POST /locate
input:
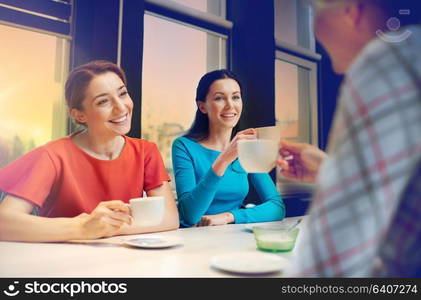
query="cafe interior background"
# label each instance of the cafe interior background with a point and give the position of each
(165, 46)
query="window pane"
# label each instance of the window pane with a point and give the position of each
(295, 114)
(293, 101)
(216, 7)
(293, 23)
(174, 58)
(32, 75)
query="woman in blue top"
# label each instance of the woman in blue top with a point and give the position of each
(211, 184)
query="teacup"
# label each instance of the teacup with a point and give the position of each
(147, 211)
(257, 156)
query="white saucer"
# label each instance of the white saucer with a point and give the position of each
(249, 262)
(154, 242)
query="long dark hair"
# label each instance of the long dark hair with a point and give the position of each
(200, 127)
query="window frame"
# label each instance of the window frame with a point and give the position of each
(310, 60)
(53, 18)
(306, 58)
(129, 54)
(311, 89)
(188, 15)
(61, 121)
(178, 13)
(47, 15)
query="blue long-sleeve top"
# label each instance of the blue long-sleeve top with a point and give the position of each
(201, 191)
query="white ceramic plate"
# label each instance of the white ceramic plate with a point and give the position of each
(249, 262)
(153, 242)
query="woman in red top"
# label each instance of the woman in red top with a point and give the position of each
(81, 183)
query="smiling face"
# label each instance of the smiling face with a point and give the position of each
(107, 107)
(223, 104)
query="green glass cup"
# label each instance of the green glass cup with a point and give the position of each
(275, 238)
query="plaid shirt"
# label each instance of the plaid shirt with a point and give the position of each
(365, 219)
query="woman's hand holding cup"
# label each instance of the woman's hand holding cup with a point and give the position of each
(105, 220)
(231, 152)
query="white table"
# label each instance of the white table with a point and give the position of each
(109, 258)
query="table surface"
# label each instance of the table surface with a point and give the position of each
(111, 258)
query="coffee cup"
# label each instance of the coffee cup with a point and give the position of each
(147, 211)
(257, 156)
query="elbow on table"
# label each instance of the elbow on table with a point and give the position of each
(279, 210)
(7, 226)
(5, 219)
(189, 216)
(283, 213)
(283, 209)
(190, 219)
(2, 226)
(277, 215)
(173, 223)
(171, 220)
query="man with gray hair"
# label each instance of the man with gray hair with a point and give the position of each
(365, 219)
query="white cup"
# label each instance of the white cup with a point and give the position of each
(257, 156)
(147, 211)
